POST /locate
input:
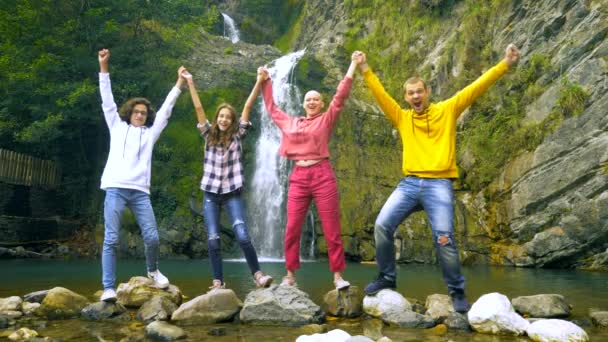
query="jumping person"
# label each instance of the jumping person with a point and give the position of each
(305, 140)
(428, 135)
(126, 178)
(223, 179)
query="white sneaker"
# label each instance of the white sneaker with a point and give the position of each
(108, 295)
(159, 279)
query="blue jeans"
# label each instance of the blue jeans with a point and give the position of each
(435, 196)
(117, 199)
(212, 203)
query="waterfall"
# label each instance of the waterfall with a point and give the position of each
(269, 181)
(230, 30)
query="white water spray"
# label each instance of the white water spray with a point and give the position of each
(269, 183)
(230, 30)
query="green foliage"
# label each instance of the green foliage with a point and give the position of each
(572, 99)
(49, 102)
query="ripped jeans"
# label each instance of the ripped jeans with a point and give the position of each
(232, 201)
(435, 196)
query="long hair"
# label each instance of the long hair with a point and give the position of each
(126, 110)
(216, 136)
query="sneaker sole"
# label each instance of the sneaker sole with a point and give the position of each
(370, 293)
(109, 300)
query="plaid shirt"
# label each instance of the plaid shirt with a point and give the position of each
(222, 168)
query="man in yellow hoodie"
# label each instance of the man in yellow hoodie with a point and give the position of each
(428, 136)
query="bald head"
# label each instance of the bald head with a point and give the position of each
(313, 103)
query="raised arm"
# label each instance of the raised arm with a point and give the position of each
(280, 118)
(391, 109)
(260, 78)
(464, 98)
(337, 102)
(164, 113)
(196, 101)
(110, 110)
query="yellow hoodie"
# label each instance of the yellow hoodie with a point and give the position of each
(429, 139)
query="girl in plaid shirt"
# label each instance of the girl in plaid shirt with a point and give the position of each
(223, 179)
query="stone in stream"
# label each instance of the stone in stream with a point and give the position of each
(493, 314)
(105, 311)
(556, 330)
(61, 303)
(156, 309)
(215, 306)
(141, 289)
(35, 297)
(599, 318)
(280, 305)
(12, 303)
(163, 331)
(344, 303)
(23, 334)
(335, 335)
(392, 308)
(542, 306)
(439, 306)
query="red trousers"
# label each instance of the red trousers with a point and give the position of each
(316, 182)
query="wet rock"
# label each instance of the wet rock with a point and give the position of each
(439, 306)
(10, 304)
(335, 335)
(4, 322)
(439, 330)
(556, 330)
(35, 297)
(384, 339)
(61, 303)
(417, 306)
(280, 305)
(493, 314)
(22, 334)
(29, 308)
(141, 289)
(156, 309)
(372, 328)
(344, 303)
(163, 331)
(599, 318)
(542, 305)
(457, 321)
(385, 302)
(212, 307)
(105, 311)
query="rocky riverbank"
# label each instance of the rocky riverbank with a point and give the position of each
(143, 311)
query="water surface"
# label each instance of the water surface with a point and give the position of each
(583, 290)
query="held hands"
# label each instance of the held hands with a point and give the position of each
(511, 54)
(358, 57)
(104, 57)
(180, 78)
(262, 74)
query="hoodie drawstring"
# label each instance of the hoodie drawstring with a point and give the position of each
(428, 126)
(124, 145)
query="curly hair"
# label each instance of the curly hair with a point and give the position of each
(126, 110)
(216, 136)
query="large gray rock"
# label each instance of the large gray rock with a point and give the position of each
(156, 309)
(493, 314)
(213, 307)
(163, 331)
(335, 335)
(457, 321)
(556, 330)
(344, 303)
(141, 289)
(61, 303)
(280, 305)
(542, 305)
(105, 311)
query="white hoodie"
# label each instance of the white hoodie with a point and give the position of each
(130, 159)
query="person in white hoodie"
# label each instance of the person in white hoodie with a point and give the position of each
(126, 178)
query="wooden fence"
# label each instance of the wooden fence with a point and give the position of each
(21, 169)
